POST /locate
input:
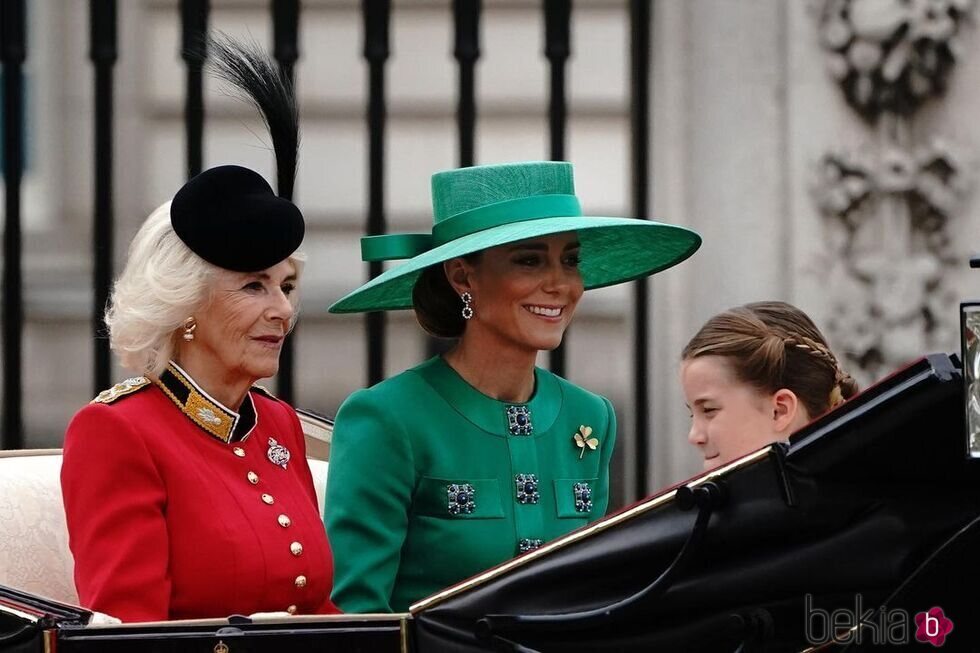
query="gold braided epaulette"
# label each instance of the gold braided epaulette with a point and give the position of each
(120, 390)
(265, 392)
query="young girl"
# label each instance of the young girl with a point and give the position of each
(753, 375)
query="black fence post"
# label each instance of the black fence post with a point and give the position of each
(557, 48)
(103, 53)
(640, 18)
(285, 36)
(466, 17)
(194, 27)
(13, 52)
(466, 51)
(377, 15)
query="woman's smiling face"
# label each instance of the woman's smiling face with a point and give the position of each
(241, 331)
(525, 293)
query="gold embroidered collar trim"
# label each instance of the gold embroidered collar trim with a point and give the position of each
(203, 409)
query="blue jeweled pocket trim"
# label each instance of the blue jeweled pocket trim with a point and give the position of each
(461, 499)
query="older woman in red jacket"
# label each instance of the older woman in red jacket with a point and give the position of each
(186, 489)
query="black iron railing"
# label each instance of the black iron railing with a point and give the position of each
(466, 18)
(557, 49)
(466, 51)
(285, 49)
(640, 26)
(377, 17)
(13, 52)
(193, 50)
(103, 53)
(286, 19)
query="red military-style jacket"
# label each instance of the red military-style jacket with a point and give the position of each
(179, 508)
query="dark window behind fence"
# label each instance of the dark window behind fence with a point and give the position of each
(556, 29)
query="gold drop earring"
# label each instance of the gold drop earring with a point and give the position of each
(189, 325)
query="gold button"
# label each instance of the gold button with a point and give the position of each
(239, 452)
(267, 499)
(253, 478)
(296, 548)
(291, 609)
(301, 581)
(284, 521)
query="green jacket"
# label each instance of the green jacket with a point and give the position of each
(423, 489)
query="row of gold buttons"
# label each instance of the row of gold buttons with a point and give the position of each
(296, 548)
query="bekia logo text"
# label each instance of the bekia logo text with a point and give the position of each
(871, 626)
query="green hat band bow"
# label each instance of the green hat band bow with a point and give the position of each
(400, 246)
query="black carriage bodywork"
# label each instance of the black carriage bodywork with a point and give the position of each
(873, 508)
(31, 625)
(876, 499)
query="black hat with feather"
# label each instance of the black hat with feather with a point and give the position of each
(229, 215)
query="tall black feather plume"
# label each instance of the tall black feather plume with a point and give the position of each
(257, 79)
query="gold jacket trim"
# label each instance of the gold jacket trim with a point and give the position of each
(120, 390)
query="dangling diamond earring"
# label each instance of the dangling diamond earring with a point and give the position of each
(189, 325)
(467, 305)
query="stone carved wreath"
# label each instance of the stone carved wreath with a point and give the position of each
(889, 207)
(891, 55)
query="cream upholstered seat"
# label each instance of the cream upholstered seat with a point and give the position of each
(318, 430)
(34, 554)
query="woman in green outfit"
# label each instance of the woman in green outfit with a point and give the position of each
(471, 458)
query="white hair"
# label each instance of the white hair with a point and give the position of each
(163, 284)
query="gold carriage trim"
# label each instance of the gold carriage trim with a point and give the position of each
(120, 390)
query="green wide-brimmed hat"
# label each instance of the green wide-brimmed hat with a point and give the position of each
(485, 206)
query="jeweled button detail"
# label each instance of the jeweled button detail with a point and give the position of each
(253, 478)
(296, 549)
(461, 498)
(519, 420)
(267, 499)
(583, 497)
(301, 581)
(284, 521)
(527, 488)
(238, 451)
(291, 609)
(526, 544)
